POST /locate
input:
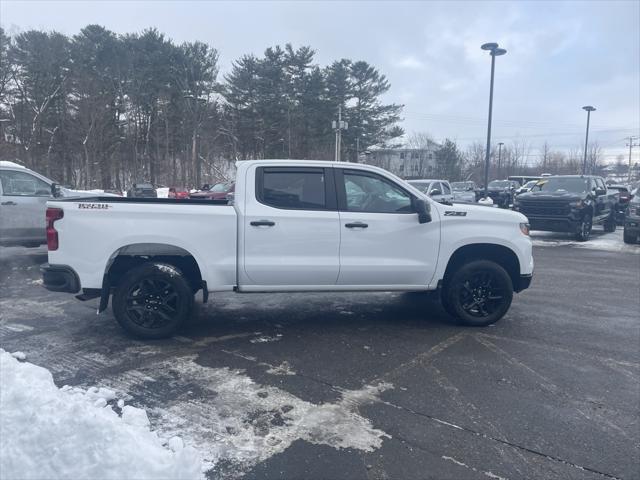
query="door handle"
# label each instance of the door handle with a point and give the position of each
(9, 203)
(356, 225)
(262, 223)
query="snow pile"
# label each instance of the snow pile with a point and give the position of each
(486, 201)
(46, 432)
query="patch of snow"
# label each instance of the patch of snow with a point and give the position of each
(135, 416)
(19, 355)
(266, 338)
(486, 201)
(283, 369)
(168, 269)
(67, 433)
(17, 327)
(243, 423)
(609, 242)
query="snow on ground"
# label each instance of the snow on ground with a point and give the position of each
(611, 242)
(47, 432)
(243, 423)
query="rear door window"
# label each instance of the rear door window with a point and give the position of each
(293, 188)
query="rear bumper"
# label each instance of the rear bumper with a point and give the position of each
(60, 278)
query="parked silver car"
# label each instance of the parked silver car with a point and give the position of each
(23, 204)
(439, 190)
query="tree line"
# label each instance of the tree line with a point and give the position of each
(511, 158)
(102, 110)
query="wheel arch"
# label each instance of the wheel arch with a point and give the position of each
(503, 256)
(132, 255)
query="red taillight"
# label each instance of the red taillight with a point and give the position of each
(53, 214)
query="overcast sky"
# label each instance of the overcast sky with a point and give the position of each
(561, 55)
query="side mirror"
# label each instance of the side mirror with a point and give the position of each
(423, 209)
(435, 191)
(56, 191)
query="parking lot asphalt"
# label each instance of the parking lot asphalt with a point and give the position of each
(371, 386)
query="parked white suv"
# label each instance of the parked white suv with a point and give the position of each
(23, 202)
(294, 226)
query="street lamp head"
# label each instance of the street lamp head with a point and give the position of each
(498, 51)
(589, 108)
(489, 46)
(501, 143)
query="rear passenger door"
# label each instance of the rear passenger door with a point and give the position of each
(291, 227)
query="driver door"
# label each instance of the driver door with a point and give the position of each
(382, 244)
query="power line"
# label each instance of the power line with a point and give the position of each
(507, 122)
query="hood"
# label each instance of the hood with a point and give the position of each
(481, 212)
(559, 195)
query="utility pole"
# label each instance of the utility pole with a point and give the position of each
(631, 145)
(338, 127)
(500, 159)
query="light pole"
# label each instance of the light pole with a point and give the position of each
(589, 109)
(500, 159)
(494, 51)
(338, 126)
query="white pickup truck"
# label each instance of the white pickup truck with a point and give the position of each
(292, 226)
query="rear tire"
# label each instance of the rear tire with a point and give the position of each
(478, 293)
(629, 238)
(153, 301)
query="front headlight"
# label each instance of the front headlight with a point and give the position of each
(577, 204)
(524, 228)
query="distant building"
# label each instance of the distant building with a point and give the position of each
(406, 163)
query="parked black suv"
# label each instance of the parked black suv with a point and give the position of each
(569, 203)
(502, 192)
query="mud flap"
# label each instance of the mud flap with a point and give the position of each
(104, 294)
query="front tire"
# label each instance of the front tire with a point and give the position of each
(628, 237)
(478, 293)
(584, 229)
(153, 301)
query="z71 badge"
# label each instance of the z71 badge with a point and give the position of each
(451, 213)
(94, 206)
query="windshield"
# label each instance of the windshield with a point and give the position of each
(500, 184)
(530, 184)
(564, 184)
(219, 188)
